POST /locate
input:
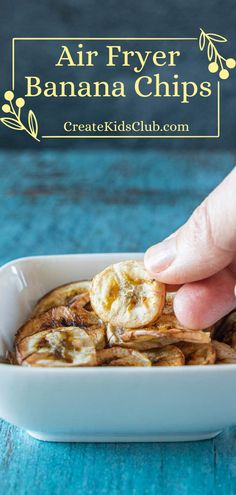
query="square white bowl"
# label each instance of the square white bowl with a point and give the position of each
(102, 404)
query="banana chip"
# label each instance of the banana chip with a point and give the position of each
(140, 338)
(226, 330)
(11, 357)
(65, 295)
(125, 295)
(64, 316)
(166, 330)
(198, 354)
(169, 303)
(98, 335)
(121, 318)
(224, 352)
(54, 317)
(226, 361)
(118, 356)
(165, 322)
(63, 346)
(81, 301)
(143, 339)
(169, 355)
(92, 324)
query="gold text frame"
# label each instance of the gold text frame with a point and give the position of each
(216, 136)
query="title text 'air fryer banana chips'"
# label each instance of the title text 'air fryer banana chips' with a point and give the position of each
(122, 317)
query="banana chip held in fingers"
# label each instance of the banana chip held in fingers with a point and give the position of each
(124, 294)
(63, 346)
(118, 356)
(65, 295)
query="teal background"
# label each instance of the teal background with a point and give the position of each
(67, 202)
(201, 468)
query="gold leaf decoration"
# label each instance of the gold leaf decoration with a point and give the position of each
(217, 37)
(202, 41)
(15, 122)
(33, 123)
(12, 123)
(217, 62)
(210, 51)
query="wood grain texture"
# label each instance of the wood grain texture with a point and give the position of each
(61, 202)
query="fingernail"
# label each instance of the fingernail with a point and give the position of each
(160, 257)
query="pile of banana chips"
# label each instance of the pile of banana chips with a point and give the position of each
(120, 318)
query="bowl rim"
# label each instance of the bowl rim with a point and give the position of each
(68, 255)
(210, 368)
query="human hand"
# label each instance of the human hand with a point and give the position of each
(201, 258)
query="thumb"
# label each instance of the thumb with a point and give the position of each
(204, 245)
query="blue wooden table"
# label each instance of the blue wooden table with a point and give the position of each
(64, 202)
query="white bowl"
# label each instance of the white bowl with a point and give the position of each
(102, 404)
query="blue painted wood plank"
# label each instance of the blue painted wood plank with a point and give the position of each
(60, 202)
(30, 467)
